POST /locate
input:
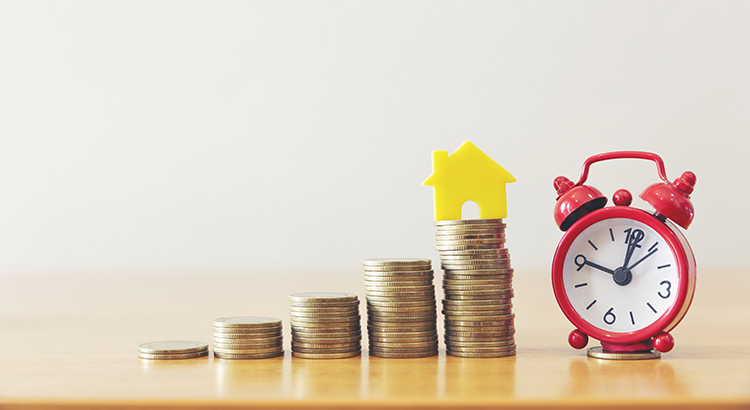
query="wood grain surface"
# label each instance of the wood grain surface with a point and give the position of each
(70, 341)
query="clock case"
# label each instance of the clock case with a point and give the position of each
(579, 206)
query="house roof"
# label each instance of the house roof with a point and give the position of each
(467, 161)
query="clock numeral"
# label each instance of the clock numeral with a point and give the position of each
(637, 236)
(609, 317)
(580, 264)
(669, 292)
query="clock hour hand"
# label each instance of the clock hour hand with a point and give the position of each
(581, 261)
(634, 238)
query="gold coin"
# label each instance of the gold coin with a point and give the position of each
(478, 281)
(318, 297)
(401, 309)
(390, 355)
(452, 307)
(331, 315)
(461, 242)
(324, 340)
(396, 262)
(476, 272)
(445, 247)
(246, 351)
(173, 347)
(227, 340)
(376, 349)
(498, 252)
(500, 349)
(481, 257)
(406, 334)
(478, 294)
(384, 330)
(326, 355)
(400, 274)
(325, 330)
(343, 336)
(421, 339)
(245, 346)
(352, 304)
(342, 320)
(482, 355)
(350, 349)
(597, 353)
(246, 322)
(403, 345)
(497, 221)
(387, 299)
(428, 281)
(172, 356)
(488, 337)
(235, 356)
(424, 268)
(326, 346)
(322, 309)
(493, 344)
(474, 331)
(451, 236)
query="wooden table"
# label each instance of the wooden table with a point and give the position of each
(70, 341)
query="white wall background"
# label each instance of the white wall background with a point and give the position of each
(181, 136)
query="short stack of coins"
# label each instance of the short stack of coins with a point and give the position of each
(401, 308)
(325, 325)
(172, 350)
(478, 288)
(247, 337)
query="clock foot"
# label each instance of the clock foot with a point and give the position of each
(598, 353)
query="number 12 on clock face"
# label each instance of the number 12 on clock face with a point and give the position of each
(620, 275)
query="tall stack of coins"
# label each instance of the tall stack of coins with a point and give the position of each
(325, 325)
(478, 288)
(401, 308)
(247, 337)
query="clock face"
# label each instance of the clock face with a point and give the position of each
(620, 275)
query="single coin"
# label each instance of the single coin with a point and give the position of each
(326, 330)
(326, 315)
(391, 355)
(401, 309)
(173, 347)
(493, 344)
(464, 242)
(326, 340)
(235, 356)
(468, 222)
(442, 247)
(245, 346)
(396, 262)
(229, 340)
(172, 356)
(403, 299)
(469, 331)
(597, 353)
(502, 349)
(452, 307)
(500, 252)
(422, 339)
(246, 321)
(404, 345)
(487, 337)
(342, 320)
(387, 336)
(445, 237)
(324, 309)
(479, 295)
(423, 268)
(246, 351)
(476, 272)
(482, 355)
(351, 304)
(322, 297)
(400, 274)
(326, 355)
(391, 282)
(297, 349)
(507, 282)
(296, 346)
(376, 349)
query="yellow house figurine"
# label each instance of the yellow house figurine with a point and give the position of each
(468, 175)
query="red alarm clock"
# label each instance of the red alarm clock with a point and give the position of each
(622, 275)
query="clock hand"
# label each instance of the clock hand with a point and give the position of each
(635, 237)
(641, 260)
(600, 267)
(585, 262)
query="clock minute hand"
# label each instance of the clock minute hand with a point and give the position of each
(641, 260)
(636, 237)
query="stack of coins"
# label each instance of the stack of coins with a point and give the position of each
(325, 325)
(172, 350)
(401, 308)
(247, 337)
(478, 288)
